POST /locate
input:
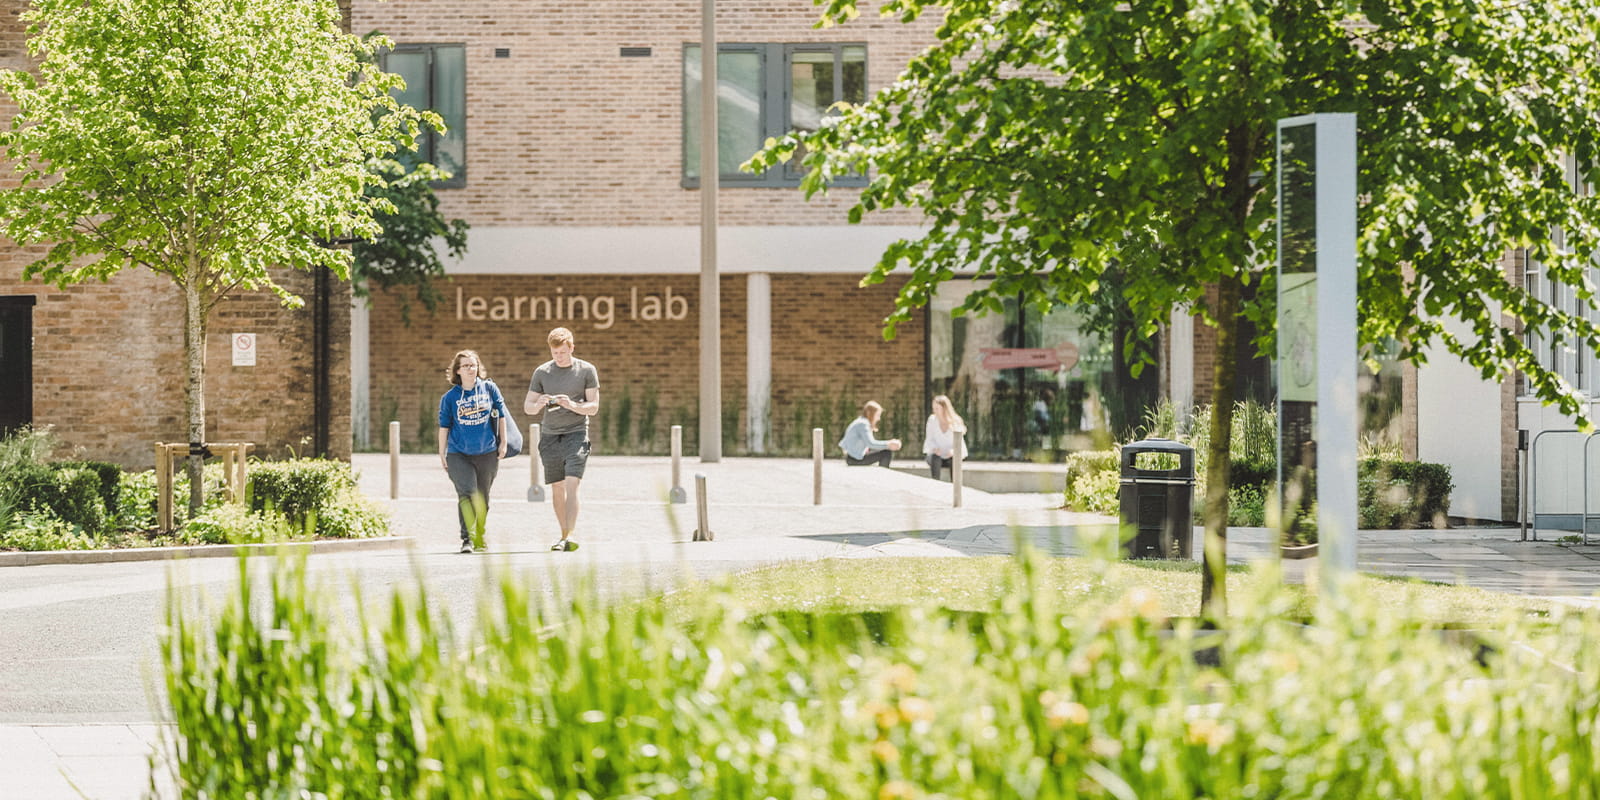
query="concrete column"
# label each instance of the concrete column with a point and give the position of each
(360, 373)
(758, 359)
(1180, 366)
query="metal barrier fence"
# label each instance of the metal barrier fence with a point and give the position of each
(1563, 513)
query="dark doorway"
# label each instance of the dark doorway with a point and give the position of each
(16, 362)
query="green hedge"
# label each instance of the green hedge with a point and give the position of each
(76, 504)
(71, 493)
(318, 496)
(1402, 494)
(1390, 494)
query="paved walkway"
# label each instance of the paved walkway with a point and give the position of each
(761, 512)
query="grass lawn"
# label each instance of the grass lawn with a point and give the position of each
(973, 584)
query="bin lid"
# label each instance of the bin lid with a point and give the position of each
(1185, 454)
(1157, 445)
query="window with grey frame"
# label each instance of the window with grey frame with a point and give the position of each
(1564, 356)
(436, 80)
(768, 90)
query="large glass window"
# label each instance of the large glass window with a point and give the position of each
(1083, 398)
(764, 91)
(436, 80)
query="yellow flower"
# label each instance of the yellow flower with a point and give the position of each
(886, 716)
(1208, 732)
(901, 677)
(915, 708)
(897, 790)
(1062, 712)
(1146, 603)
(1082, 662)
(884, 751)
(1105, 748)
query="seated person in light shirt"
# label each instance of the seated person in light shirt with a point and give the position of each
(939, 442)
(861, 446)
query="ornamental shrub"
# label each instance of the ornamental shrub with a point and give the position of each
(1402, 494)
(1092, 481)
(318, 497)
(70, 494)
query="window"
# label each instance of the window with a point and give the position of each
(768, 90)
(1569, 359)
(436, 80)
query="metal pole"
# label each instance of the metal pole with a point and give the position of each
(1522, 483)
(535, 485)
(710, 294)
(955, 469)
(702, 533)
(677, 495)
(394, 459)
(816, 470)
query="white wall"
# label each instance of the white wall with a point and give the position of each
(1458, 424)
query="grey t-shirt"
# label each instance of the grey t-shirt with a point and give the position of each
(574, 382)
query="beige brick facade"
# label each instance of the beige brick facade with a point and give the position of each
(825, 346)
(574, 172)
(566, 131)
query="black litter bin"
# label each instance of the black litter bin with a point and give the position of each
(1156, 495)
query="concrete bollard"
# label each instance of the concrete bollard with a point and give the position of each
(677, 494)
(394, 459)
(703, 532)
(535, 485)
(816, 466)
(955, 469)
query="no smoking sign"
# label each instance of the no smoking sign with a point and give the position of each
(244, 349)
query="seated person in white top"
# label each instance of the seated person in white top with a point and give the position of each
(860, 446)
(939, 442)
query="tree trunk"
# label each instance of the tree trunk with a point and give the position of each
(194, 394)
(1214, 562)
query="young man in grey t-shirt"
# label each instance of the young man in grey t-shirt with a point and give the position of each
(572, 386)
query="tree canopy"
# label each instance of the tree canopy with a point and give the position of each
(206, 140)
(404, 254)
(1047, 140)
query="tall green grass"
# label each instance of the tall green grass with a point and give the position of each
(1039, 697)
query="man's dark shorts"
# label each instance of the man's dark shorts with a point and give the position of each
(564, 455)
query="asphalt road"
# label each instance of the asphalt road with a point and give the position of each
(80, 643)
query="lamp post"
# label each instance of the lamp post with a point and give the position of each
(710, 295)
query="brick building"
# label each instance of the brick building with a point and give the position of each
(102, 363)
(574, 149)
(568, 129)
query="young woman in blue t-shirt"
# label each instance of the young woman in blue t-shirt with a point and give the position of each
(472, 440)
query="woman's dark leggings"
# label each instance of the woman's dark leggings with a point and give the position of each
(935, 462)
(472, 475)
(878, 457)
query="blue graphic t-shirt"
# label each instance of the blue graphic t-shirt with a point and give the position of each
(470, 415)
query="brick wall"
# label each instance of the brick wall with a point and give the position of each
(567, 132)
(825, 343)
(108, 366)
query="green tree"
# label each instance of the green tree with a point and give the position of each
(206, 140)
(403, 255)
(1049, 139)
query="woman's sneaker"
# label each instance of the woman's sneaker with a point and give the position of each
(566, 545)
(466, 547)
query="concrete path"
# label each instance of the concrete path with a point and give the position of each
(76, 718)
